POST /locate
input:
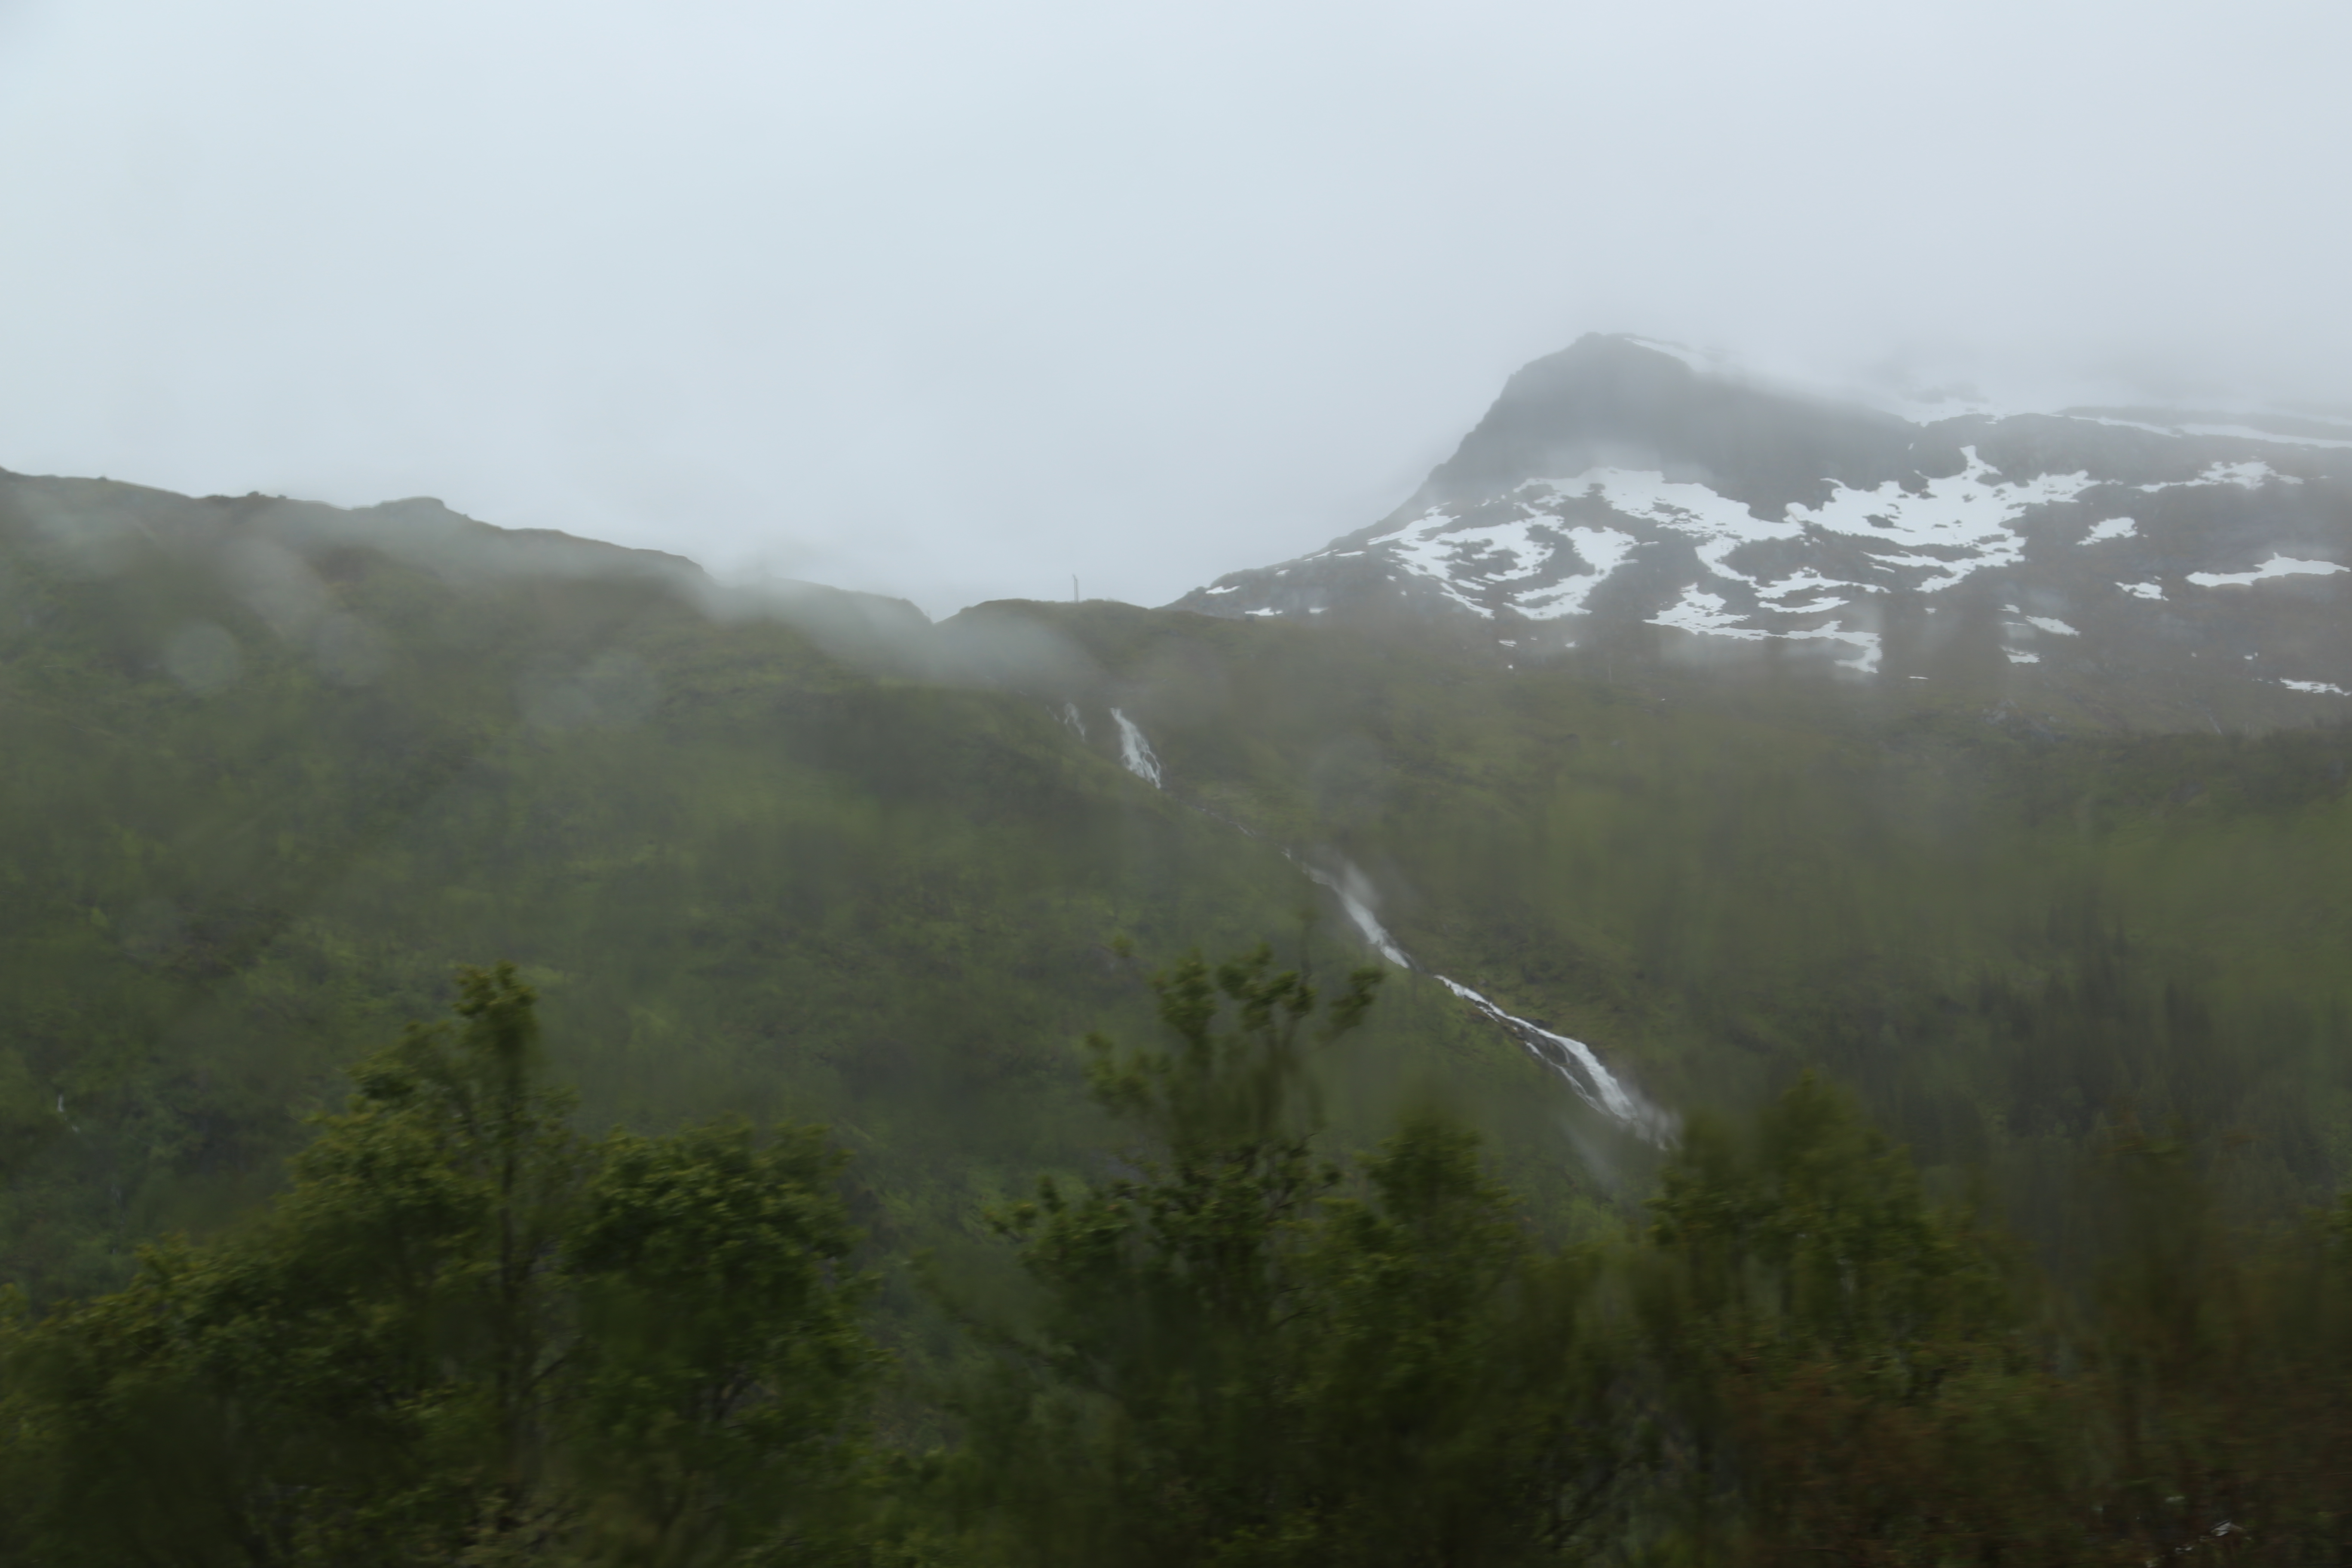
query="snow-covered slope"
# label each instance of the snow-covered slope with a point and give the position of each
(1616, 487)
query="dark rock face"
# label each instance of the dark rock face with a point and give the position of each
(1609, 402)
(2149, 567)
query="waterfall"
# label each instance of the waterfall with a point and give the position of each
(1592, 1083)
(1577, 1064)
(1135, 750)
(1361, 912)
(1074, 719)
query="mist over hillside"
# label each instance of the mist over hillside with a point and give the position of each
(1685, 747)
(1673, 703)
(1469, 784)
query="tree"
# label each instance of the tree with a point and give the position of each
(437, 1344)
(1454, 1383)
(719, 1357)
(1847, 1367)
(1241, 1357)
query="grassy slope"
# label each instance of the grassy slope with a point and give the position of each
(2009, 934)
(824, 864)
(749, 875)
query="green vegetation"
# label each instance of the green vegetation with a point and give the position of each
(466, 1334)
(275, 772)
(1242, 1356)
(2006, 936)
(745, 874)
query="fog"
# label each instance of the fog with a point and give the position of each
(961, 301)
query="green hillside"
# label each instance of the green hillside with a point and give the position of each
(2007, 932)
(274, 770)
(268, 784)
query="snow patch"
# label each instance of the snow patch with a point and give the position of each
(2051, 623)
(2143, 590)
(1722, 523)
(2018, 657)
(2229, 432)
(1606, 548)
(2329, 687)
(1704, 613)
(1805, 579)
(2251, 475)
(1700, 610)
(2276, 566)
(1971, 512)
(1866, 661)
(1943, 532)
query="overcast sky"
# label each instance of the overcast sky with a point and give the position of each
(955, 299)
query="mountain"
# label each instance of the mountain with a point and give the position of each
(2071, 934)
(276, 768)
(2106, 565)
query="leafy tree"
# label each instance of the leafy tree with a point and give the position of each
(1151, 1427)
(2217, 1361)
(1454, 1387)
(441, 1344)
(719, 1357)
(1848, 1368)
(365, 1369)
(1238, 1361)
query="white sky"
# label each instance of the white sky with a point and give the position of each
(957, 300)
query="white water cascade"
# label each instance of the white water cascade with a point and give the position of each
(1135, 750)
(1578, 1067)
(1351, 899)
(1577, 1064)
(1592, 1083)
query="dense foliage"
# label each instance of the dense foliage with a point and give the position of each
(1240, 1355)
(464, 1333)
(467, 1334)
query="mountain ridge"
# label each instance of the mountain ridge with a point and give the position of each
(799, 851)
(1618, 495)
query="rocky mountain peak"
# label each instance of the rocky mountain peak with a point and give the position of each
(1620, 402)
(2141, 565)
